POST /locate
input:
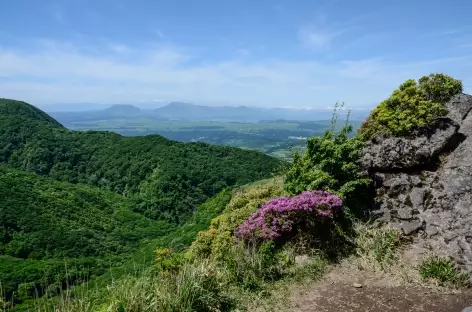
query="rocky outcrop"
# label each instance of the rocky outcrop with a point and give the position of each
(386, 154)
(424, 183)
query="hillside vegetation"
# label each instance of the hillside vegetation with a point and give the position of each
(173, 177)
(44, 222)
(275, 232)
(74, 204)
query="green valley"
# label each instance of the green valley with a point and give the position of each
(229, 126)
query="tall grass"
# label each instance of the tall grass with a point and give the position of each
(377, 247)
(195, 287)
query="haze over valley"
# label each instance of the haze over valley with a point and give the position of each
(274, 131)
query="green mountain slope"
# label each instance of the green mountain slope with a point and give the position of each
(19, 109)
(172, 177)
(42, 218)
(75, 204)
(43, 222)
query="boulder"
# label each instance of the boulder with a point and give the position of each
(388, 154)
(424, 183)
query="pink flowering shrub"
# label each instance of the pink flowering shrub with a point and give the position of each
(283, 216)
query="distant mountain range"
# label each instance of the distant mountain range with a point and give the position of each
(192, 112)
(120, 111)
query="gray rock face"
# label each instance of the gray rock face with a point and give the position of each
(424, 183)
(386, 154)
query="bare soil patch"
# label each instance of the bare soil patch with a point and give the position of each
(379, 292)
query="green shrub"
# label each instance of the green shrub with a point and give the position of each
(219, 239)
(168, 261)
(443, 270)
(330, 163)
(411, 106)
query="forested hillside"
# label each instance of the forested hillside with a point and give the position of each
(173, 177)
(72, 204)
(42, 218)
(43, 222)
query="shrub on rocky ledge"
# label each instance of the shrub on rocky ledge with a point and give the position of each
(411, 106)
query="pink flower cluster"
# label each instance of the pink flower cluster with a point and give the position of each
(281, 215)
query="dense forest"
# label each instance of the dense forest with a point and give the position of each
(91, 197)
(172, 177)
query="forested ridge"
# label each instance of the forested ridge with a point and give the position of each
(173, 177)
(85, 199)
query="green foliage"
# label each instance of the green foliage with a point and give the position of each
(170, 178)
(411, 106)
(219, 239)
(96, 198)
(26, 279)
(330, 163)
(27, 111)
(41, 218)
(168, 261)
(194, 288)
(44, 221)
(314, 267)
(443, 270)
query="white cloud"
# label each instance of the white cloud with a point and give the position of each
(56, 72)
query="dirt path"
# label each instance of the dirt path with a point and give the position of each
(379, 292)
(344, 297)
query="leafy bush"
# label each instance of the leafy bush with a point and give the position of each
(412, 105)
(281, 217)
(168, 261)
(218, 240)
(330, 163)
(443, 270)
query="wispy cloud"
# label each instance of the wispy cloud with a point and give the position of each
(317, 38)
(54, 72)
(321, 32)
(450, 32)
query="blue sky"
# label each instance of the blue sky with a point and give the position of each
(296, 53)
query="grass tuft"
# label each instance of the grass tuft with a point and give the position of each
(443, 271)
(377, 247)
